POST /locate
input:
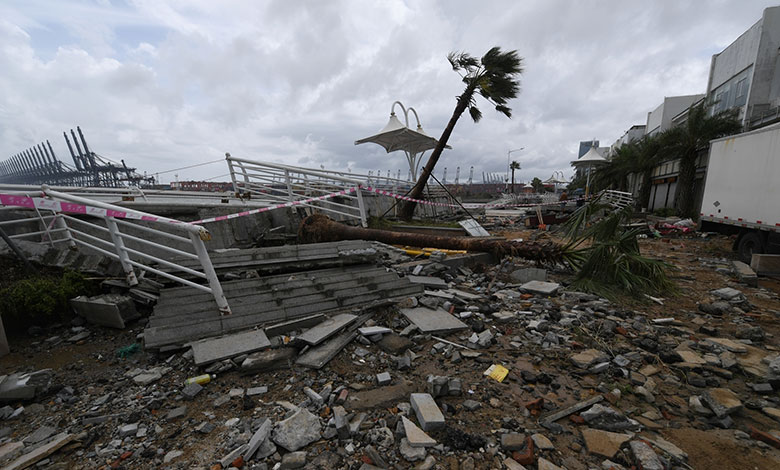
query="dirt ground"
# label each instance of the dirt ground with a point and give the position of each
(92, 367)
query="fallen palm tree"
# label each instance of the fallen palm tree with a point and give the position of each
(319, 228)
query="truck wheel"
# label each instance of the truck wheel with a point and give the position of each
(749, 243)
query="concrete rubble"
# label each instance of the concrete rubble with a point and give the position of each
(399, 382)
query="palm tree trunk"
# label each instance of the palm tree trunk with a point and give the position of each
(319, 228)
(685, 181)
(513, 180)
(407, 210)
(645, 189)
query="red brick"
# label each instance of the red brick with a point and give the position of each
(238, 463)
(576, 419)
(764, 437)
(527, 456)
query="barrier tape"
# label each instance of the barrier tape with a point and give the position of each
(73, 208)
(271, 208)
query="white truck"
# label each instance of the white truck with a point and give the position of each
(742, 190)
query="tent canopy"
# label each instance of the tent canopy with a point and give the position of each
(396, 136)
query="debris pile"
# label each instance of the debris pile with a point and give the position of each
(487, 366)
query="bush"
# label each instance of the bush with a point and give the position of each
(41, 300)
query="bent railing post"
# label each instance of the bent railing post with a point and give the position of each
(211, 275)
(119, 246)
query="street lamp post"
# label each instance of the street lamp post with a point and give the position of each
(508, 165)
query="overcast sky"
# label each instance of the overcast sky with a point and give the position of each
(169, 83)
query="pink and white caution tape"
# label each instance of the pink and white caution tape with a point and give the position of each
(74, 208)
(271, 208)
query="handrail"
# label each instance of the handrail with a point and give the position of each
(111, 240)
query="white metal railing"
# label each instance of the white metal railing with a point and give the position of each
(617, 199)
(134, 245)
(284, 183)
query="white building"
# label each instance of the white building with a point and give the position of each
(660, 119)
(746, 74)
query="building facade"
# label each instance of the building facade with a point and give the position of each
(746, 75)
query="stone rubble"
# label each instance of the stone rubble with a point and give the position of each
(591, 384)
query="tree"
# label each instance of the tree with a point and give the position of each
(636, 158)
(690, 140)
(538, 185)
(495, 77)
(514, 166)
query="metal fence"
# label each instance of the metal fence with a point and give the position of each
(138, 240)
(284, 183)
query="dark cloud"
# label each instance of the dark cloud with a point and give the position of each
(165, 84)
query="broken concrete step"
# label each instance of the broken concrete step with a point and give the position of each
(217, 349)
(433, 321)
(109, 310)
(319, 333)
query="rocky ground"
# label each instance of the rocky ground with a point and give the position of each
(684, 382)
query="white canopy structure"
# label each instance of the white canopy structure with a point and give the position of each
(588, 161)
(397, 136)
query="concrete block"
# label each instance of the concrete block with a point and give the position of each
(383, 378)
(428, 281)
(428, 414)
(217, 349)
(110, 310)
(744, 273)
(540, 287)
(766, 265)
(529, 274)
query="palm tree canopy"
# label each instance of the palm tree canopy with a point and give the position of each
(697, 132)
(494, 77)
(514, 165)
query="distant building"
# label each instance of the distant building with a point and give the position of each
(206, 186)
(746, 75)
(633, 134)
(586, 145)
(660, 119)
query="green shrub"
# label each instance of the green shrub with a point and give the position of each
(41, 300)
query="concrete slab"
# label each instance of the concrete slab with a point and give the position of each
(217, 349)
(428, 413)
(415, 435)
(744, 273)
(473, 228)
(110, 310)
(374, 330)
(319, 333)
(432, 321)
(428, 281)
(318, 356)
(540, 287)
(524, 275)
(766, 265)
(268, 360)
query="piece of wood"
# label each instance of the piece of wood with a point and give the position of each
(556, 415)
(41, 452)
